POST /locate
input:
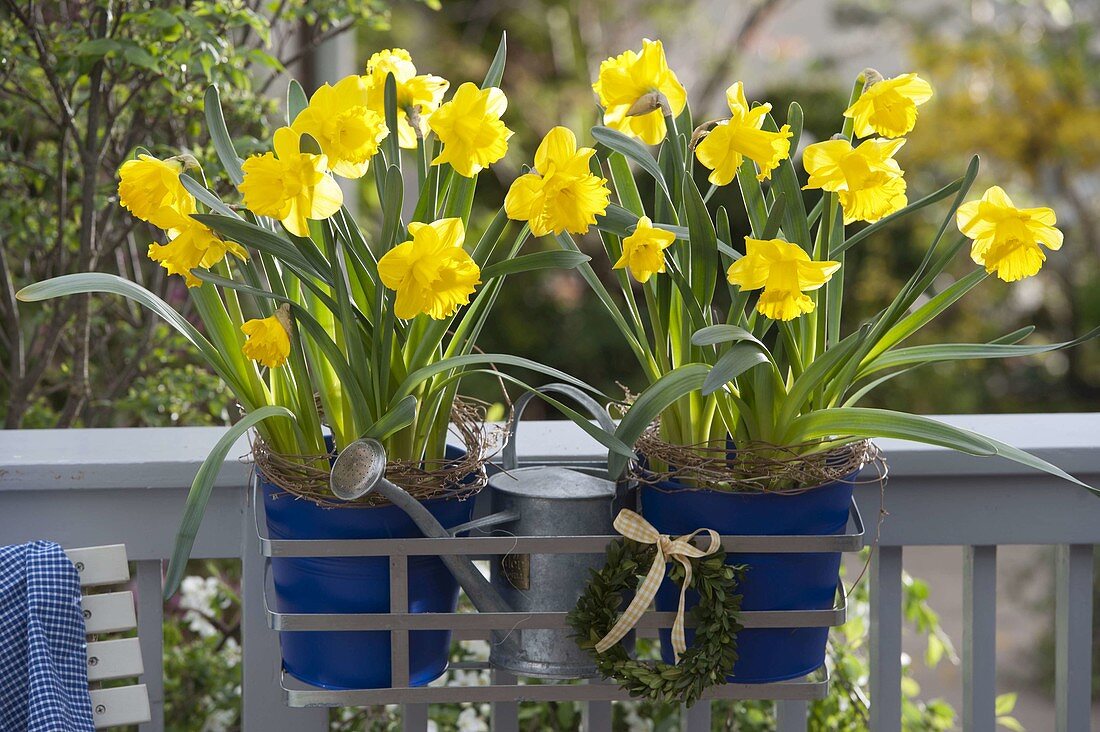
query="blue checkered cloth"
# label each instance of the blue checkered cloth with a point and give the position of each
(43, 650)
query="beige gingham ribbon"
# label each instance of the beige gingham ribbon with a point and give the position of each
(633, 526)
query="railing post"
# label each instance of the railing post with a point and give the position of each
(695, 719)
(504, 716)
(790, 716)
(150, 618)
(979, 638)
(262, 705)
(886, 639)
(1073, 636)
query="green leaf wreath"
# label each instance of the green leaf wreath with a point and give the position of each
(704, 664)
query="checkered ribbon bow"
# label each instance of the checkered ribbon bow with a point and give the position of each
(633, 526)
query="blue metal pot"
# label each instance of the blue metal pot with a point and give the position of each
(772, 581)
(358, 659)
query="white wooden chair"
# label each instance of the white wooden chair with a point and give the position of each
(106, 613)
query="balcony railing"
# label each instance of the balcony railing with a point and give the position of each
(93, 487)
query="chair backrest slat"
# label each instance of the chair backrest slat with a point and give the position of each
(119, 706)
(109, 612)
(101, 565)
(114, 659)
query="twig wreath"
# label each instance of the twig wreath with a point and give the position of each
(706, 663)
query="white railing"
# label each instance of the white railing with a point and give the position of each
(92, 487)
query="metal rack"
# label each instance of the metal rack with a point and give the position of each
(474, 625)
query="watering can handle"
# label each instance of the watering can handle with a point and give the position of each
(508, 458)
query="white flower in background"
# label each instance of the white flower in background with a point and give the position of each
(634, 722)
(470, 721)
(197, 597)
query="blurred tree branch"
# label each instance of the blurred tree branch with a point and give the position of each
(81, 86)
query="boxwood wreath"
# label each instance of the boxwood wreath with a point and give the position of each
(705, 663)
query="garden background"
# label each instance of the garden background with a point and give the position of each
(83, 83)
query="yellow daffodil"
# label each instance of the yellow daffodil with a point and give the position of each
(785, 272)
(420, 95)
(644, 250)
(731, 140)
(867, 180)
(633, 87)
(431, 273)
(1006, 238)
(268, 338)
(470, 129)
(889, 107)
(290, 185)
(340, 120)
(561, 194)
(147, 186)
(191, 245)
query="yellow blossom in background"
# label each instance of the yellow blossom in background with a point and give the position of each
(191, 245)
(424, 92)
(347, 130)
(470, 129)
(290, 185)
(741, 136)
(867, 180)
(1006, 238)
(431, 273)
(562, 194)
(644, 250)
(630, 87)
(148, 185)
(785, 271)
(889, 107)
(268, 338)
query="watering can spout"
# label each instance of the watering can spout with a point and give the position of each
(360, 469)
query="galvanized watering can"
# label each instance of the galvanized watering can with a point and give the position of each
(529, 501)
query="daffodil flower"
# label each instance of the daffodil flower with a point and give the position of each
(470, 128)
(732, 140)
(191, 245)
(867, 180)
(340, 120)
(431, 273)
(785, 272)
(889, 107)
(1007, 239)
(635, 87)
(561, 194)
(644, 250)
(151, 190)
(290, 185)
(422, 93)
(268, 338)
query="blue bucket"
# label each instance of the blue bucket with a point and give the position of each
(357, 659)
(772, 581)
